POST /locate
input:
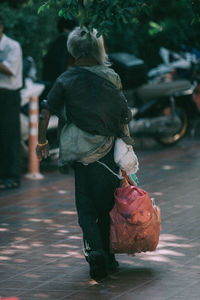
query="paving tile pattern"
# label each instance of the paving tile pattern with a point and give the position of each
(41, 243)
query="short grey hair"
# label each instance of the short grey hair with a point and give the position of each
(81, 45)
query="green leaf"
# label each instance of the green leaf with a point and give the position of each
(44, 6)
(155, 28)
(61, 12)
(99, 33)
(108, 12)
(41, 8)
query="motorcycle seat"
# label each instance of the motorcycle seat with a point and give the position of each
(165, 89)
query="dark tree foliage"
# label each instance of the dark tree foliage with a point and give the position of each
(14, 3)
(135, 26)
(34, 32)
(138, 26)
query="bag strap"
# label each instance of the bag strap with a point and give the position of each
(120, 177)
(126, 178)
(117, 175)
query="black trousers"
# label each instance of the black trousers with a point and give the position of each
(94, 188)
(10, 156)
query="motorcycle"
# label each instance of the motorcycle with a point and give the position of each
(175, 65)
(164, 113)
(160, 109)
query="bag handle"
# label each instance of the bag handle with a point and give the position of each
(127, 179)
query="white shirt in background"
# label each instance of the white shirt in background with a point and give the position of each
(11, 57)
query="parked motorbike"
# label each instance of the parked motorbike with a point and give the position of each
(164, 113)
(160, 109)
(175, 65)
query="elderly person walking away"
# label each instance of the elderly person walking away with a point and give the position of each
(10, 83)
(97, 112)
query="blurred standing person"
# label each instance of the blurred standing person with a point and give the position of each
(10, 84)
(57, 58)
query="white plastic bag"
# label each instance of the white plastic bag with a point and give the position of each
(125, 157)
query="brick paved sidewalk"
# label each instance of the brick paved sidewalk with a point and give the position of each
(40, 240)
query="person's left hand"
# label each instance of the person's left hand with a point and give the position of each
(42, 151)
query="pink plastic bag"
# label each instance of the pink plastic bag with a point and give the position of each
(135, 221)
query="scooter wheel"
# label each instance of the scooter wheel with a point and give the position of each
(176, 137)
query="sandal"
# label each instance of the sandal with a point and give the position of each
(9, 184)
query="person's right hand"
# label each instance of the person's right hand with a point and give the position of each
(42, 151)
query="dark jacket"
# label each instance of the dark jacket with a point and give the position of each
(92, 103)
